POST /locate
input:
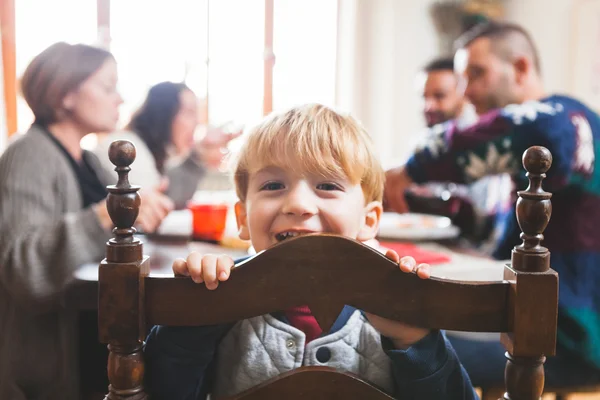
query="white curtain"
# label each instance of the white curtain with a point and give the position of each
(382, 44)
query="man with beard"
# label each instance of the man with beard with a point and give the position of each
(443, 96)
(502, 68)
(473, 208)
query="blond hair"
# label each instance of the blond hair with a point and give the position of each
(312, 139)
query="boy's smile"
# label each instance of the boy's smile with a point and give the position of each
(281, 236)
(282, 203)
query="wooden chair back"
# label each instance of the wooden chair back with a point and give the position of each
(327, 272)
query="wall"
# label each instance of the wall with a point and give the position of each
(550, 24)
(383, 43)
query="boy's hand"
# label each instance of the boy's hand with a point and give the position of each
(403, 336)
(209, 268)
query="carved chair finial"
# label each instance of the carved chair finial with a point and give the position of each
(123, 204)
(122, 154)
(533, 213)
(123, 201)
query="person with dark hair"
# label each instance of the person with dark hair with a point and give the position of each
(443, 97)
(53, 217)
(502, 68)
(168, 157)
(473, 208)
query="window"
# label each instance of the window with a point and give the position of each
(236, 51)
(155, 41)
(40, 23)
(220, 48)
(304, 38)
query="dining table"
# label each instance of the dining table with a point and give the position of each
(162, 251)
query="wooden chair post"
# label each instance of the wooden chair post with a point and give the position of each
(121, 284)
(535, 286)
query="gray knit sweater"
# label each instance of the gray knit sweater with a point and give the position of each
(44, 236)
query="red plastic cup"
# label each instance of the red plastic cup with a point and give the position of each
(208, 221)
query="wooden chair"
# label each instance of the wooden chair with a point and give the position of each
(523, 306)
(559, 393)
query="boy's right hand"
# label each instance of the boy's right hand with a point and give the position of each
(209, 268)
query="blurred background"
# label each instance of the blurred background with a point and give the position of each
(244, 58)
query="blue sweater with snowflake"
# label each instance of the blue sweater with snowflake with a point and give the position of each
(571, 131)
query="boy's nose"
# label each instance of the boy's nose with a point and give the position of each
(300, 200)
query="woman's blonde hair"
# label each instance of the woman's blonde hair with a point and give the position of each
(312, 139)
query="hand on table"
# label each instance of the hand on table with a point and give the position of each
(155, 206)
(212, 149)
(396, 183)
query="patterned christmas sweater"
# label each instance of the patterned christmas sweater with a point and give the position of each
(571, 131)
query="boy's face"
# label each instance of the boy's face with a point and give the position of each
(282, 203)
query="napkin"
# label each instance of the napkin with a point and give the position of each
(419, 254)
(176, 223)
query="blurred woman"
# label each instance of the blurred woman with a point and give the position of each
(168, 157)
(53, 217)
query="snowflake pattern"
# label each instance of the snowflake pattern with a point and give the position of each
(435, 142)
(584, 156)
(491, 163)
(530, 110)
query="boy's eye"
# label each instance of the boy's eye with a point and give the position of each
(328, 186)
(272, 186)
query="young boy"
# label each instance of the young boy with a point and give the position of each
(306, 170)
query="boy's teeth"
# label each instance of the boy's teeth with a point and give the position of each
(286, 235)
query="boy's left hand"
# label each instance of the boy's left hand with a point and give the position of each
(403, 336)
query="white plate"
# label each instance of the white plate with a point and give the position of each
(177, 223)
(412, 226)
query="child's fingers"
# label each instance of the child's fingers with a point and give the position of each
(224, 264)
(209, 271)
(407, 264)
(392, 255)
(180, 267)
(194, 266)
(423, 271)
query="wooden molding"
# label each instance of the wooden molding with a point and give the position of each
(9, 62)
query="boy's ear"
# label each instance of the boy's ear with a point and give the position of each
(370, 225)
(242, 220)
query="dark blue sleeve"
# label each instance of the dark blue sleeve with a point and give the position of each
(495, 144)
(179, 360)
(429, 370)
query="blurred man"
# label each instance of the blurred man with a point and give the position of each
(472, 208)
(443, 95)
(502, 68)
